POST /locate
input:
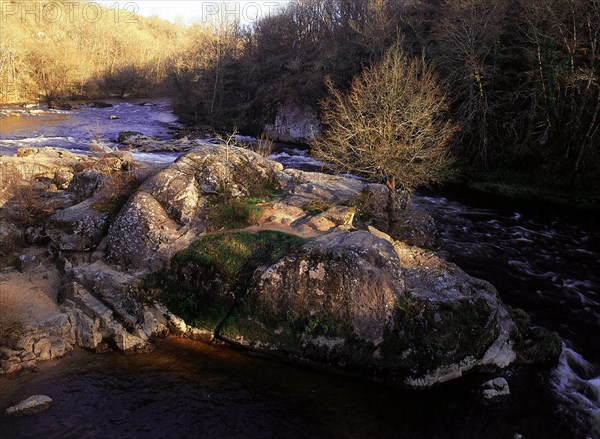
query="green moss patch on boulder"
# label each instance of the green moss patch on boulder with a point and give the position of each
(207, 279)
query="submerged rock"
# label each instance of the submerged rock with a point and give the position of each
(99, 104)
(59, 105)
(495, 389)
(129, 135)
(32, 405)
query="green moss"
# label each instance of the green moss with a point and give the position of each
(235, 213)
(211, 276)
(436, 336)
(316, 207)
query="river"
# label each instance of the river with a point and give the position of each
(547, 263)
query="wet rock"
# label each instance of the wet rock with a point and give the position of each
(80, 227)
(495, 389)
(32, 405)
(129, 135)
(99, 104)
(365, 302)
(59, 105)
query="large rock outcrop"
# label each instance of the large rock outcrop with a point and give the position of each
(170, 208)
(362, 302)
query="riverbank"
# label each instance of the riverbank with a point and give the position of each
(524, 189)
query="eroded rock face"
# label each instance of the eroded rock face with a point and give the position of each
(294, 123)
(364, 302)
(168, 209)
(50, 338)
(100, 303)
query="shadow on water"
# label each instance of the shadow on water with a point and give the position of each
(190, 389)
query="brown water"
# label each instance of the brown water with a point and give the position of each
(190, 389)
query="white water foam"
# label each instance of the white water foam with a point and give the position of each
(577, 385)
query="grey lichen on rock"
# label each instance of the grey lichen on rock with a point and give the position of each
(78, 228)
(168, 211)
(357, 301)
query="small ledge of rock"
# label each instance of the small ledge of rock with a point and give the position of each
(495, 389)
(30, 406)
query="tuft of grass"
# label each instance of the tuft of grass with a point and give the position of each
(265, 145)
(544, 347)
(315, 207)
(236, 213)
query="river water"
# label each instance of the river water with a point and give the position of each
(547, 263)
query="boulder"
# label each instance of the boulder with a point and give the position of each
(80, 227)
(87, 183)
(129, 135)
(363, 302)
(142, 143)
(33, 404)
(495, 389)
(35, 163)
(99, 104)
(320, 202)
(168, 210)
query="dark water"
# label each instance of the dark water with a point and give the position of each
(189, 389)
(545, 263)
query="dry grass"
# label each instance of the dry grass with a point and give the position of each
(265, 145)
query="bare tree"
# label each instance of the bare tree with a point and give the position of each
(390, 126)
